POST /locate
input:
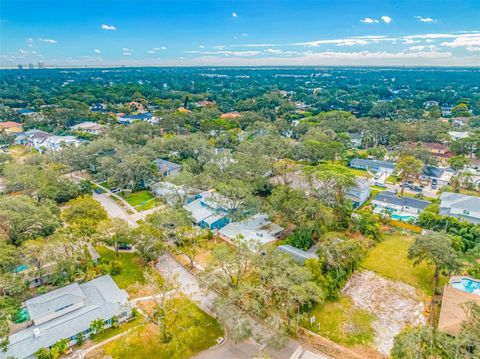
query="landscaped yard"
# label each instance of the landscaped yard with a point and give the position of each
(342, 322)
(141, 200)
(131, 264)
(190, 331)
(389, 259)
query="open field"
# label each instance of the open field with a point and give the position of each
(389, 259)
(342, 322)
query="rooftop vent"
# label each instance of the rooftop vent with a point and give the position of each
(36, 332)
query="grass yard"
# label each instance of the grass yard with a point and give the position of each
(389, 259)
(342, 322)
(141, 200)
(132, 267)
(111, 332)
(469, 192)
(191, 331)
(392, 179)
(360, 173)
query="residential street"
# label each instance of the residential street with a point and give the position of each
(189, 285)
(113, 209)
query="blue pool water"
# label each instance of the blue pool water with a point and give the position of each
(468, 285)
(402, 218)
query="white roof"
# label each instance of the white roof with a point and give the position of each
(255, 228)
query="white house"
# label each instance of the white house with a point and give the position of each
(255, 228)
(89, 127)
(466, 208)
(400, 208)
(56, 143)
(66, 313)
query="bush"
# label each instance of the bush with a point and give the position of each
(301, 238)
(80, 339)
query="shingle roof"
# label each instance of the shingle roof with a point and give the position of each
(164, 165)
(461, 201)
(257, 228)
(102, 299)
(391, 198)
(372, 163)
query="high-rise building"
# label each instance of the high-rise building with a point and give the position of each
(20, 67)
(30, 66)
(41, 65)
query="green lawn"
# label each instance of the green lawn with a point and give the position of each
(191, 331)
(389, 259)
(342, 322)
(141, 200)
(111, 332)
(392, 179)
(360, 173)
(132, 268)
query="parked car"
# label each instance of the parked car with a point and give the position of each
(379, 184)
(115, 190)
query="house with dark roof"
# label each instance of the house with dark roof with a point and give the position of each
(437, 175)
(146, 116)
(167, 168)
(67, 312)
(400, 208)
(466, 208)
(373, 165)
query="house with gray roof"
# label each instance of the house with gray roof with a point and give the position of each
(466, 208)
(359, 193)
(167, 168)
(399, 208)
(67, 312)
(298, 255)
(209, 210)
(256, 228)
(373, 165)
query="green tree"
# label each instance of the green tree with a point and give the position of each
(97, 326)
(148, 241)
(83, 214)
(408, 167)
(457, 162)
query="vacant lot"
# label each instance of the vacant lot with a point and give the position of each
(342, 322)
(141, 200)
(389, 259)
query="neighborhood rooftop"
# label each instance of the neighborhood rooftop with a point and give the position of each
(392, 198)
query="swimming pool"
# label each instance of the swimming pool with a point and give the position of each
(402, 218)
(468, 285)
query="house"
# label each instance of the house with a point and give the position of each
(356, 139)
(36, 277)
(26, 112)
(67, 312)
(204, 103)
(457, 292)
(172, 193)
(99, 108)
(230, 115)
(11, 127)
(446, 110)
(298, 255)
(89, 127)
(183, 110)
(56, 143)
(466, 208)
(253, 229)
(36, 139)
(439, 151)
(359, 193)
(458, 135)
(146, 116)
(373, 165)
(209, 210)
(460, 121)
(430, 103)
(400, 208)
(167, 168)
(437, 175)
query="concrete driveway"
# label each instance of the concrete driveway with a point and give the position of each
(114, 210)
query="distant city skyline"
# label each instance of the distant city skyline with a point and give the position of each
(239, 33)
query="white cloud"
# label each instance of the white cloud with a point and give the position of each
(425, 19)
(423, 48)
(386, 19)
(108, 27)
(126, 49)
(225, 52)
(97, 51)
(201, 46)
(244, 34)
(369, 20)
(234, 14)
(48, 41)
(471, 42)
(151, 51)
(252, 45)
(348, 41)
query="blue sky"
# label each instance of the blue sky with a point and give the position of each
(236, 32)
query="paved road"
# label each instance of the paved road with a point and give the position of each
(189, 285)
(114, 209)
